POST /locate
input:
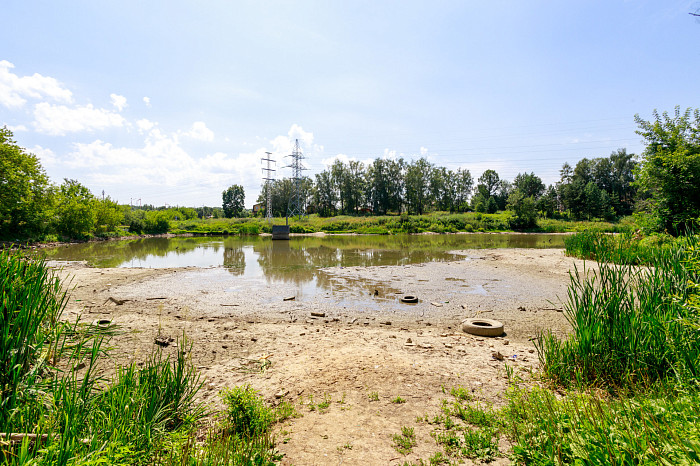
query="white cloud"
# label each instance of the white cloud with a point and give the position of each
(17, 128)
(147, 101)
(119, 101)
(57, 120)
(200, 132)
(423, 151)
(15, 89)
(345, 159)
(297, 132)
(46, 156)
(145, 125)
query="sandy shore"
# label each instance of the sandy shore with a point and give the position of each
(360, 340)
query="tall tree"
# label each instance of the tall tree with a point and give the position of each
(418, 193)
(529, 184)
(233, 201)
(26, 195)
(669, 171)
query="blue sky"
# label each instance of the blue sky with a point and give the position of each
(172, 102)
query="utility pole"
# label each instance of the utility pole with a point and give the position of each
(296, 203)
(103, 195)
(267, 178)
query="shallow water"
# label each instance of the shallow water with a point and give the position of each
(255, 255)
(257, 262)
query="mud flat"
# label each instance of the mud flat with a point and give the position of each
(343, 343)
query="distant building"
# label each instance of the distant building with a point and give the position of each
(257, 208)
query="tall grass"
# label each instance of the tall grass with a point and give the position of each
(631, 325)
(52, 388)
(657, 428)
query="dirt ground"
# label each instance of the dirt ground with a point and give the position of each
(347, 341)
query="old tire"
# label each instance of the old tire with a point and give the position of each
(409, 299)
(483, 327)
(102, 323)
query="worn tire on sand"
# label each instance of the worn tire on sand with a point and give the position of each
(483, 327)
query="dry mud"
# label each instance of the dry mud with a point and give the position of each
(366, 340)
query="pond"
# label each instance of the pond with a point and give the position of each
(260, 262)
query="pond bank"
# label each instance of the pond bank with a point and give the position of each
(350, 347)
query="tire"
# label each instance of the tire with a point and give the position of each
(102, 323)
(483, 327)
(409, 299)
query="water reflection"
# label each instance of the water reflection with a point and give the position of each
(297, 261)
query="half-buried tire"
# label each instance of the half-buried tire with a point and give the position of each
(483, 327)
(409, 299)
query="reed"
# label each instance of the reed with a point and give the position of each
(632, 325)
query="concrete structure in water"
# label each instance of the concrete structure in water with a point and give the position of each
(280, 232)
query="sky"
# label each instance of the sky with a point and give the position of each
(170, 103)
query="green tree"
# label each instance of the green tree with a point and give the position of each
(76, 210)
(108, 215)
(669, 172)
(233, 201)
(524, 208)
(325, 197)
(26, 196)
(529, 184)
(417, 182)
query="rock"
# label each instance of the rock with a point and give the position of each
(506, 342)
(290, 298)
(497, 355)
(409, 341)
(318, 314)
(281, 394)
(437, 304)
(448, 345)
(162, 341)
(522, 308)
(386, 322)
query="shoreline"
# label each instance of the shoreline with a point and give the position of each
(342, 344)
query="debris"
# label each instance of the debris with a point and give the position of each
(163, 341)
(386, 322)
(281, 394)
(522, 309)
(437, 304)
(497, 355)
(290, 298)
(151, 299)
(118, 302)
(506, 342)
(409, 341)
(317, 314)
(230, 305)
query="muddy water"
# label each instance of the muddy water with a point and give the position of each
(258, 262)
(254, 255)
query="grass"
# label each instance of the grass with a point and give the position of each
(398, 400)
(632, 326)
(437, 222)
(52, 386)
(405, 441)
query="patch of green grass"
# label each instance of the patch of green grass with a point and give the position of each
(461, 393)
(398, 400)
(373, 396)
(404, 442)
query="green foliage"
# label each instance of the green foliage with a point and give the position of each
(25, 192)
(669, 172)
(76, 210)
(660, 428)
(404, 442)
(233, 201)
(525, 210)
(631, 326)
(246, 413)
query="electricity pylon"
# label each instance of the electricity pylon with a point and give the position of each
(296, 203)
(268, 179)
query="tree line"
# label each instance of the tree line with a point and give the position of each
(595, 188)
(662, 185)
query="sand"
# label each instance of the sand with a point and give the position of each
(344, 343)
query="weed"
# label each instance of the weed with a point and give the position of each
(404, 442)
(373, 396)
(325, 403)
(398, 400)
(460, 393)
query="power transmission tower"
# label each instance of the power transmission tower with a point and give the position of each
(296, 203)
(267, 178)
